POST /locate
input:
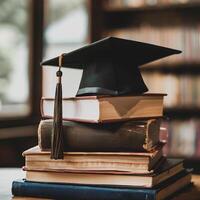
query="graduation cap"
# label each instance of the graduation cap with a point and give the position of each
(110, 67)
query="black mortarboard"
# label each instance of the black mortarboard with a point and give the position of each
(110, 66)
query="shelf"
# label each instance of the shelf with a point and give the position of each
(182, 113)
(177, 7)
(175, 68)
(122, 17)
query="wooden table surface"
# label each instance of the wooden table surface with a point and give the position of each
(7, 175)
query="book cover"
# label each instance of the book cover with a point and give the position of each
(128, 136)
(169, 168)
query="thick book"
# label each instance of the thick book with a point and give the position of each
(89, 192)
(168, 169)
(129, 136)
(96, 109)
(126, 162)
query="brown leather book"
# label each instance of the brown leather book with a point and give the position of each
(130, 136)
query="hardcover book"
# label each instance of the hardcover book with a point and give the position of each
(126, 162)
(107, 108)
(169, 168)
(130, 136)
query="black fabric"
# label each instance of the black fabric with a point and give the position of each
(110, 66)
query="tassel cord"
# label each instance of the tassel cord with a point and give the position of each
(57, 131)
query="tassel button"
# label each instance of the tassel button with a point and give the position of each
(59, 73)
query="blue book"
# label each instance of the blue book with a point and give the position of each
(88, 192)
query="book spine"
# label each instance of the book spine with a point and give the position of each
(78, 192)
(127, 136)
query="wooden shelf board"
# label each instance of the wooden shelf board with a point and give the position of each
(178, 68)
(183, 109)
(182, 113)
(177, 6)
(133, 17)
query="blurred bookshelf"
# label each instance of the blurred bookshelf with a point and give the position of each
(149, 5)
(174, 24)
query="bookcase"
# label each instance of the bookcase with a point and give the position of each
(171, 23)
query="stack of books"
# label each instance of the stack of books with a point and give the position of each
(110, 153)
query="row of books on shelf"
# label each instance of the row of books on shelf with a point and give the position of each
(142, 3)
(183, 138)
(184, 38)
(182, 90)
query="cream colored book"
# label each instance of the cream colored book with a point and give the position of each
(126, 162)
(168, 169)
(107, 108)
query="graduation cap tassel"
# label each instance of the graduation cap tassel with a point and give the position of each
(57, 132)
